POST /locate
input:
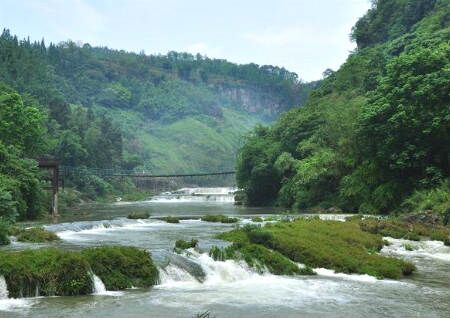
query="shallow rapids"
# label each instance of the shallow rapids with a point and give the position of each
(193, 282)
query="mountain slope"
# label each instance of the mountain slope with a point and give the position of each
(376, 132)
(169, 113)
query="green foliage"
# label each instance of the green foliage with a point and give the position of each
(219, 218)
(184, 245)
(404, 229)
(341, 246)
(121, 267)
(138, 215)
(171, 219)
(375, 131)
(4, 231)
(436, 200)
(257, 219)
(36, 235)
(53, 272)
(389, 19)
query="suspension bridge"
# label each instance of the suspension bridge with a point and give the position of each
(156, 182)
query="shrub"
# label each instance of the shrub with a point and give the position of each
(121, 267)
(4, 231)
(138, 215)
(35, 235)
(171, 219)
(257, 219)
(219, 219)
(184, 245)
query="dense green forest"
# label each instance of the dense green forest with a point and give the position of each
(375, 137)
(101, 108)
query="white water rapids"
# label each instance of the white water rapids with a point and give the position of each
(194, 282)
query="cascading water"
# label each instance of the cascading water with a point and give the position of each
(222, 195)
(99, 287)
(3, 288)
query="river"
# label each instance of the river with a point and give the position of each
(230, 289)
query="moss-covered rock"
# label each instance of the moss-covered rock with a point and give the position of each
(171, 219)
(341, 246)
(135, 215)
(50, 272)
(121, 267)
(184, 245)
(36, 235)
(257, 219)
(219, 219)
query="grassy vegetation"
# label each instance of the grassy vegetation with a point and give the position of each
(4, 231)
(257, 219)
(121, 267)
(219, 219)
(138, 215)
(35, 235)
(401, 229)
(259, 258)
(341, 246)
(171, 219)
(52, 271)
(184, 245)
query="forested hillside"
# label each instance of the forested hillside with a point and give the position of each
(108, 108)
(375, 137)
(101, 108)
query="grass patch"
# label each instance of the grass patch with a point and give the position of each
(171, 219)
(401, 229)
(51, 271)
(54, 272)
(121, 267)
(257, 219)
(219, 219)
(135, 215)
(35, 235)
(341, 246)
(184, 245)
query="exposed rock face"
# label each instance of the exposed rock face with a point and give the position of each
(253, 100)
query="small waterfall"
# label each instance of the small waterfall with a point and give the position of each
(223, 195)
(99, 287)
(3, 288)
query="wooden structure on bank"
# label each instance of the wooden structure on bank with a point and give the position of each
(52, 167)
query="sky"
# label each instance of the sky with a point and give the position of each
(304, 36)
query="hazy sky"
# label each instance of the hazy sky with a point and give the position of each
(305, 36)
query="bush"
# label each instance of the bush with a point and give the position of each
(260, 236)
(219, 219)
(184, 245)
(121, 267)
(4, 231)
(138, 215)
(35, 235)
(257, 219)
(171, 219)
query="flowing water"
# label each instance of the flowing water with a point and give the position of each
(194, 282)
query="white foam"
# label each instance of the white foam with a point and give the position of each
(11, 304)
(421, 249)
(355, 277)
(100, 289)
